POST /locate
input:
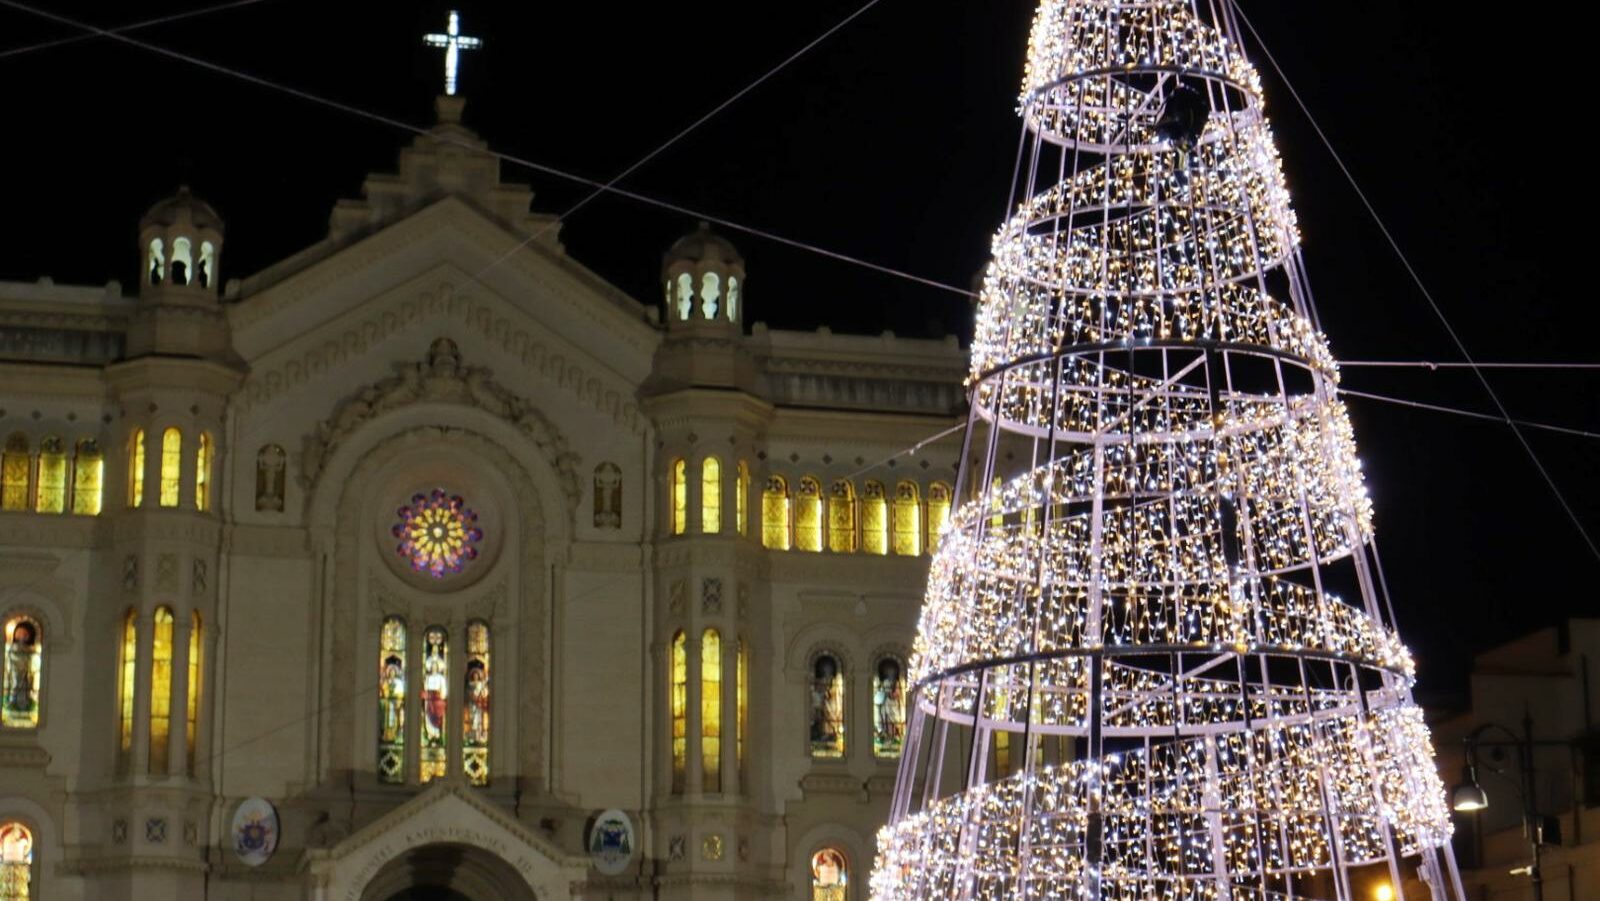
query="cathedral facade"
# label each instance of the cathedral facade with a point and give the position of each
(426, 563)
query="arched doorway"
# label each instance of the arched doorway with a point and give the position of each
(448, 872)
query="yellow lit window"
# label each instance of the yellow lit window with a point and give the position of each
(808, 515)
(192, 714)
(680, 711)
(136, 469)
(127, 666)
(874, 519)
(775, 514)
(392, 699)
(434, 742)
(15, 468)
(741, 500)
(171, 466)
(907, 519)
(741, 699)
(711, 710)
(50, 489)
(711, 496)
(842, 517)
(1002, 753)
(997, 517)
(88, 478)
(830, 876)
(202, 473)
(475, 706)
(161, 691)
(680, 497)
(827, 707)
(938, 512)
(16, 861)
(22, 667)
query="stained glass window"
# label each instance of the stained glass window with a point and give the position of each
(50, 488)
(16, 862)
(136, 469)
(830, 876)
(775, 514)
(888, 707)
(127, 665)
(711, 710)
(938, 512)
(680, 711)
(827, 707)
(438, 533)
(15, 467)
(711, 496)
(842, 517)
(191, 723)
(741, 690)
(88, 478)
(741, 500)
(202, 472)
(392, 701)
(19, 705)
(808, 515)
(907, 519)
(171, 466)
(874, 519)
(434, 744)
(475, 706)
(680, 496)
(161, 691)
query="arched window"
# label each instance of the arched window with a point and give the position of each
(685, 296)
(202, 473)
(830, 875)
(938, 512)
(711, 710)
(907, 519)
(19, 706)
(680, 496)
(741, 500)
(156, 266)
(392, 701)
(475, 700)
(161, 691)
(680, 711)
(1002, 753)
(16, 466)
(191, 717)
(827, 707)
(842, 517)
(88, 478)
(775, 514)
(434, 744)
(711, 496)
(741, 715)
(180, 261)
(710, 295)
(50, 488)
(808, 515)
(874, 519)
(16, 862)
(136, 469)
(888, 707)
(733, 298)
(171, 466)
(127, 668)
(206, 270)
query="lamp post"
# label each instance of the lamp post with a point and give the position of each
(1469, 796)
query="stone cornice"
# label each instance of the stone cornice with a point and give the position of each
(187, 373)
(266, 541)
(61, 530)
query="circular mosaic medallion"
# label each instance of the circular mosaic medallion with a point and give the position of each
(437, 533)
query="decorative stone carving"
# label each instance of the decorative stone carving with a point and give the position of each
(607, 496)
(711, 847)
(199, 578)
(130, 573)
(677, 847)
(743, 602)
(711, 597)
(441, 378)
(167, 572)
(119, 832)
(271, 464)
(155, 831)
(678, 597)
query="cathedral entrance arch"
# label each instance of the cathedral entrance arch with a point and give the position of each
(447, 844)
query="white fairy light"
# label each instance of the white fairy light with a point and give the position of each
(1159, 566)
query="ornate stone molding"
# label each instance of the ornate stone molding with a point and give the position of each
(441, 378)
(445, 303)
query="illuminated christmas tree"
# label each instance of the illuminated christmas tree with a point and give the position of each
(1155, 660)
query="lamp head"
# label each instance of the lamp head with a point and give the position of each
(1469, 796)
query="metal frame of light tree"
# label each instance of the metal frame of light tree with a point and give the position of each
(1161, 567)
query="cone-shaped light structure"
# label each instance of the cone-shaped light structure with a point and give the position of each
(1154, 661)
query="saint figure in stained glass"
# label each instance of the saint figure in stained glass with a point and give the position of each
(475, 706)
(830, 876)
(435, 701)
(392, 701)
(16, 862)
(888, 708)
(827, 708)
(437, 533)
(19, 707)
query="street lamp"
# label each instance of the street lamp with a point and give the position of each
(1469, 796)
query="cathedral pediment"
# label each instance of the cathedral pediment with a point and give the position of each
(451, 837)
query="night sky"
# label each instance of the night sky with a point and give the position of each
(895, 142)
